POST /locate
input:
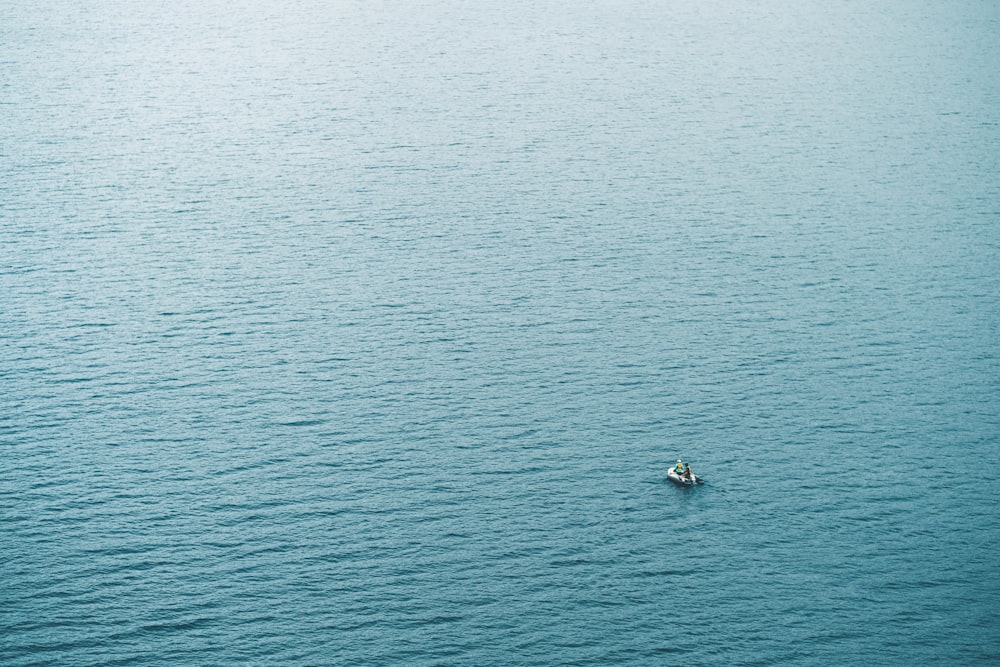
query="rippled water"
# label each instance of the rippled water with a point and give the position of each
(364, 333)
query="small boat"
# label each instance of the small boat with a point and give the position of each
(683, 480)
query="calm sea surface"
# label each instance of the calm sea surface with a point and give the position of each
(363, 333)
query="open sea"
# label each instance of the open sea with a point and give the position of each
(363, 333)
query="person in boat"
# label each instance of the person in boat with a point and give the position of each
(680, 467)
(687, 472)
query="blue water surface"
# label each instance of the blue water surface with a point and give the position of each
(363, 333)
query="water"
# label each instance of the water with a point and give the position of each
(364, 333)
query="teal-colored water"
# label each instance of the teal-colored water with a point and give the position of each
(364, 333)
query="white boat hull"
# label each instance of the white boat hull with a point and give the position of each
(681, 480)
